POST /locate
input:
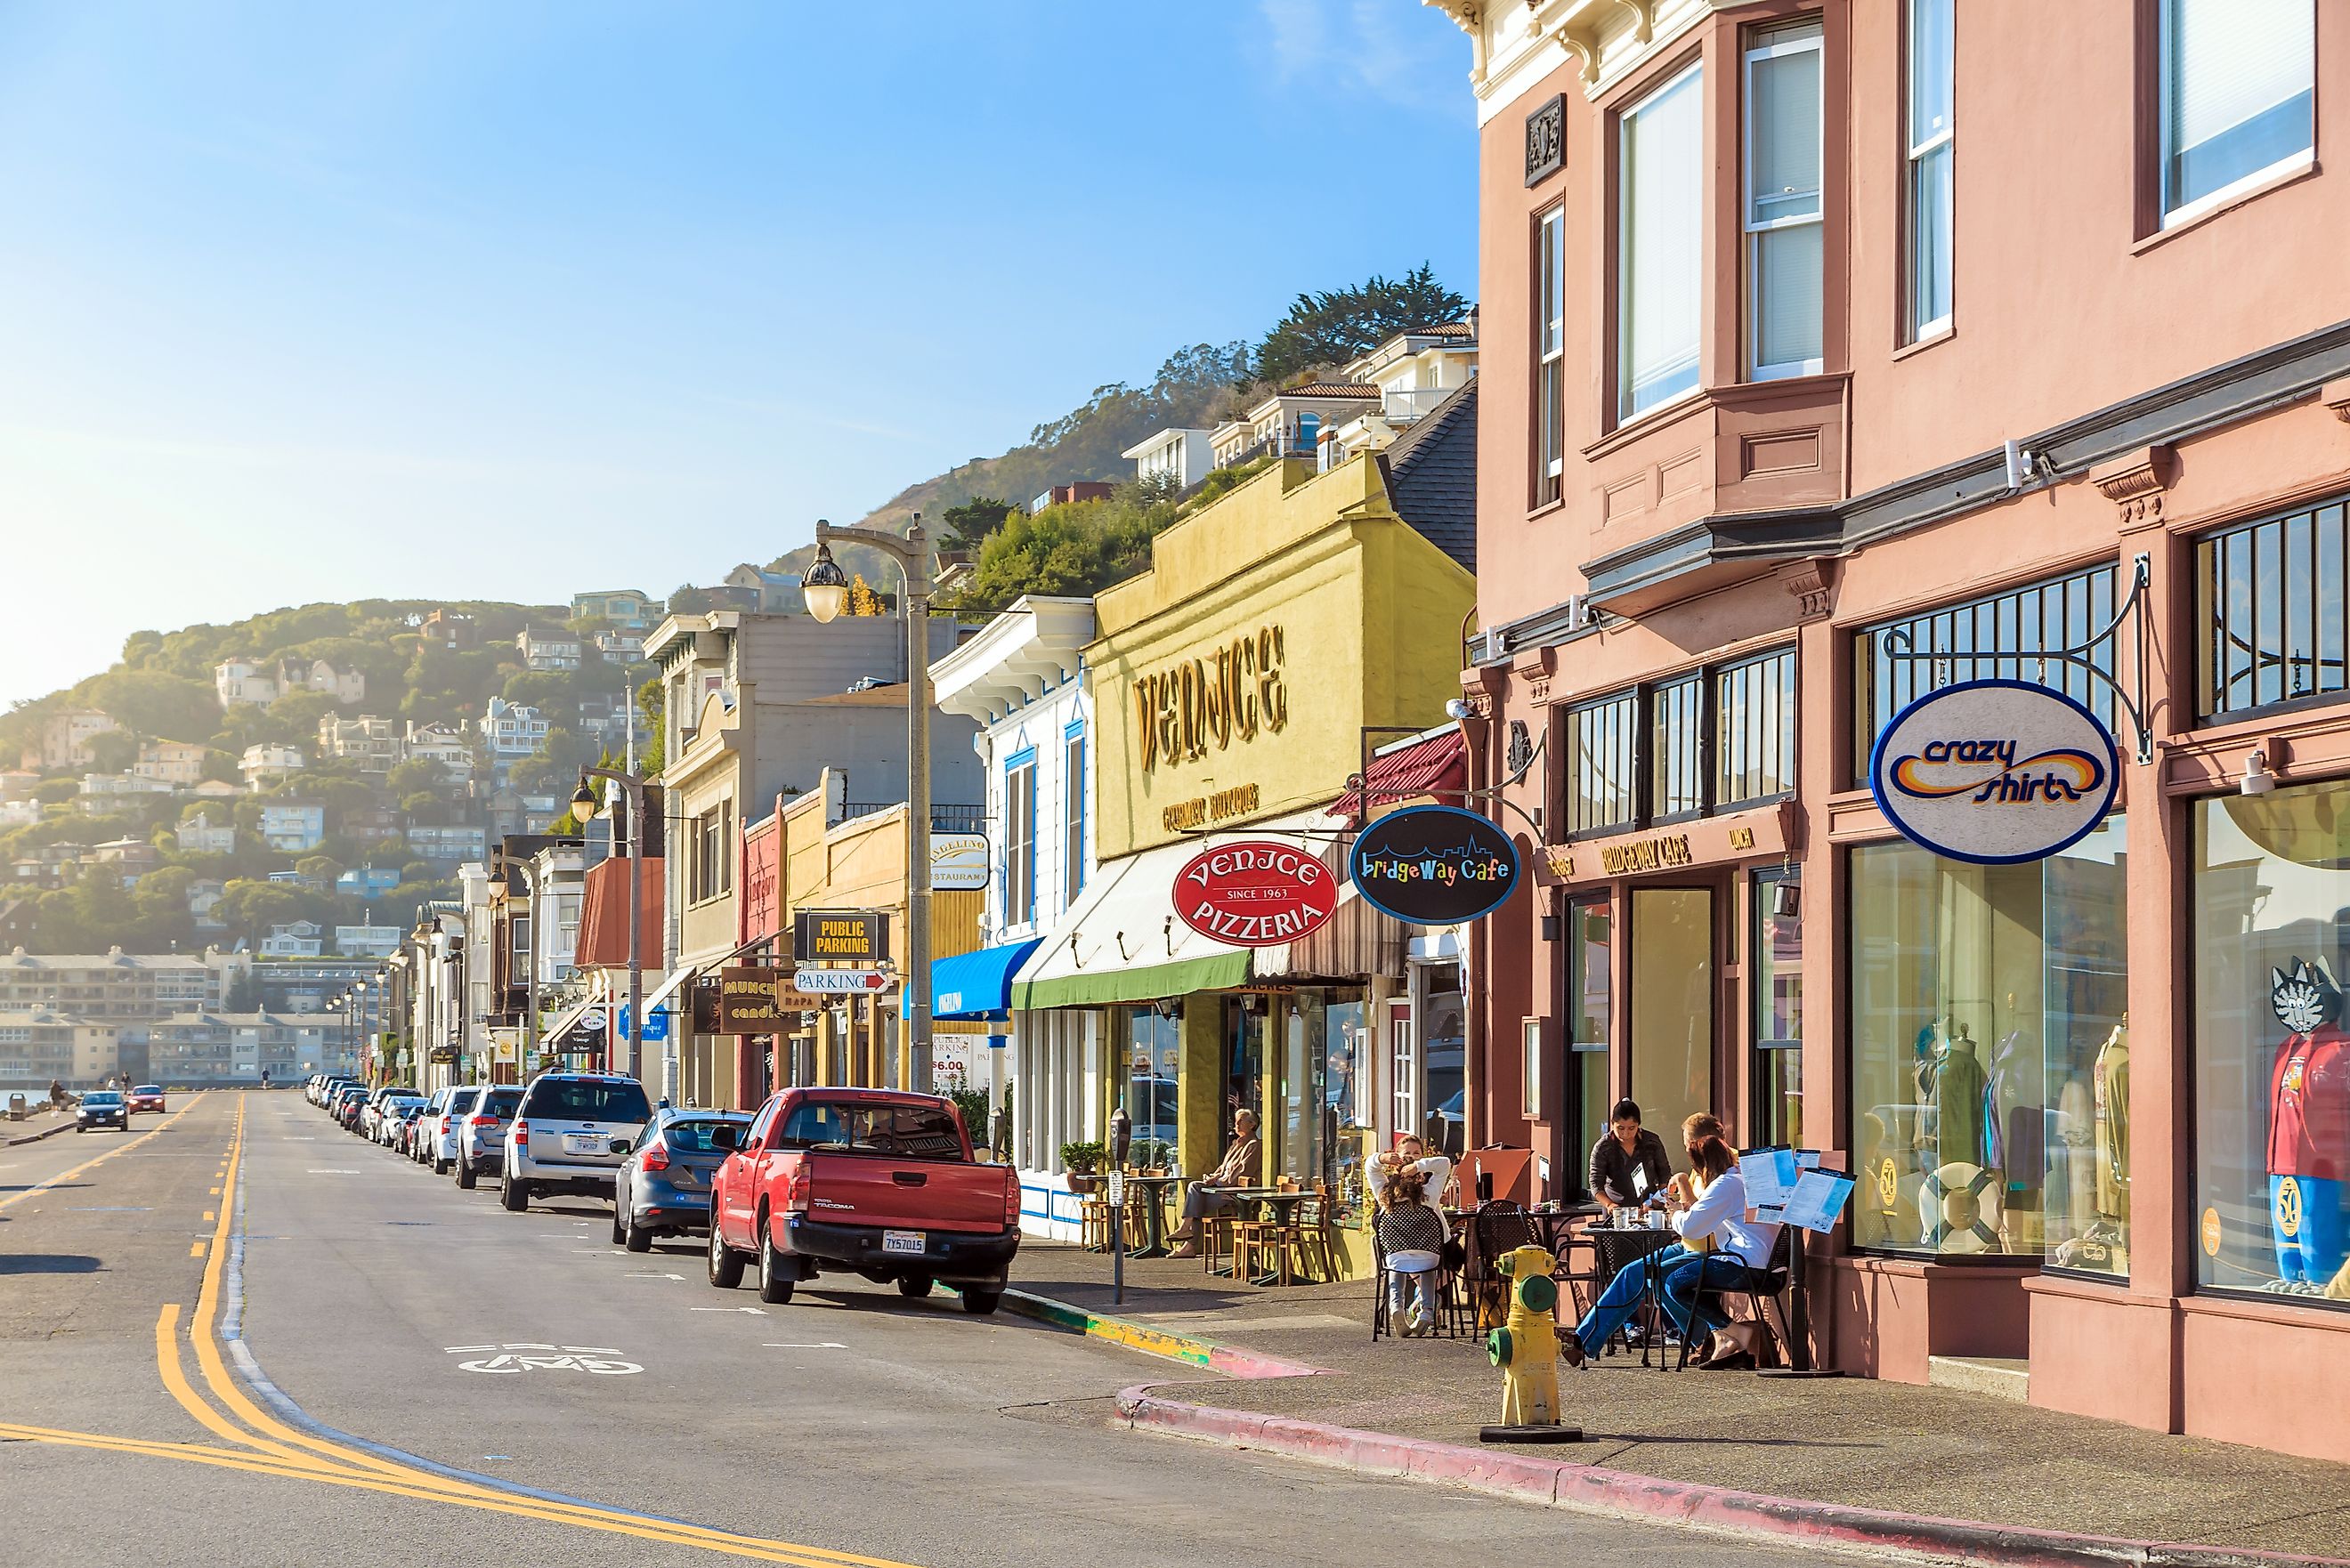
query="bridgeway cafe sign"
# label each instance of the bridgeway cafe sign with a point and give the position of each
(1994, 772)
(1256, 893)
(1434, 866)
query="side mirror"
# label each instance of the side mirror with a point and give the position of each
(621, 1146)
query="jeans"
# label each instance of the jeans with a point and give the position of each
(1681, 1275)
(1399, 1288)
(1202, 1199)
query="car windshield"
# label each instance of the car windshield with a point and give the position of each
(590, 1100)
(102, 1098)
(912, 1132)
(693, 1137)
(147, 1089)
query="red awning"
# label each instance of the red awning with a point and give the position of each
(604, 917)
(1436, 766)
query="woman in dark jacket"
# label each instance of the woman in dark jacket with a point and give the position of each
(1629, 1163)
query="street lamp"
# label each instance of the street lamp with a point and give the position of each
(826, 589)
(584, 807)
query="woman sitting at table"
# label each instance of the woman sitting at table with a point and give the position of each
(1718, 1247)
(1432, 1171)
(1241, 1167)
(1696, 1127)
(1411, 1239)
(1629, 1164)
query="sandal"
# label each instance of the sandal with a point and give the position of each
(1570, 1348)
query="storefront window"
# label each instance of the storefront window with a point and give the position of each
(1778, 974)
(1151, 1070)
(1444, 1041)
(1989, 1055)
(1672, 1006)
(1349, 1094)
(2271, 903)
(1590, 1008)
(1304, 1104)
(1243, 1062)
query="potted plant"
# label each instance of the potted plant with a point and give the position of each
(1083, 1161)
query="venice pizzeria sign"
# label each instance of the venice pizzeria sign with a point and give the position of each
(1994, 772)
(1256, 893)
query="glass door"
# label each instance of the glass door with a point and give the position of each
(1776, 966)
(1590, 1017)
(1672, 1006)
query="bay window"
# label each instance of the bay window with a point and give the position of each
(1784, 214)
(1659, 233)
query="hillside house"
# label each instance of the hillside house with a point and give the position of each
(264, 765)
(548, 648)
(293, 829)
(172, 761)
(199, 836)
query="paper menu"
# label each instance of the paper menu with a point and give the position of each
(1769, 1175)
(1819, 1197)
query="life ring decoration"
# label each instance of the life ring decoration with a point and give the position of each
(1959, 1207)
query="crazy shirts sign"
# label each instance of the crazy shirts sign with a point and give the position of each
(1994, 772)
(1256, 893)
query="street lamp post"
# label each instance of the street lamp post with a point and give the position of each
(584, 806)
(826, 589)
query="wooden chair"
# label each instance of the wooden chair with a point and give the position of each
(1317, 1249)
(1216, 1241)
(1093, 1220)
(1266, 1247)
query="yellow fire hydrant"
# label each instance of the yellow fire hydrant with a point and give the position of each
(1526, 1350)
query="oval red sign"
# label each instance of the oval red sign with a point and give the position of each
(1256, 893)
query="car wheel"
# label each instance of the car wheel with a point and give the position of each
(513, 1195)
(441, 1168)
(725, 1263)
(914, 1287)
(635, 1236)
(775, 1288)
(619, 1232)
(982, 1304)
(465, 1178)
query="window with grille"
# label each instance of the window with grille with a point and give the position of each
(2268, 598)
(1719, 738)
(1602, 737)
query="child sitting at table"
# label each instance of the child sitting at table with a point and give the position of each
(1412, 1234)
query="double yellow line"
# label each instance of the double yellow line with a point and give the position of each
(260, 1444)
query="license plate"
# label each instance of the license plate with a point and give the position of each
(912, 1243)
(587, 1143)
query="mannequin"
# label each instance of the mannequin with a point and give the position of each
(2309, 1129)
(2110, 1078)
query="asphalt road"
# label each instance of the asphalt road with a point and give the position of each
(358, 1357)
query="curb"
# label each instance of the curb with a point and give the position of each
(1624, 1495)
(1192, 1351)
(45, 1132)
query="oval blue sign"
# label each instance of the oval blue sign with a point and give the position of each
(1434, 866)
(1994, 772)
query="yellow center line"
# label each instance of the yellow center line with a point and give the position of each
(65, 1176)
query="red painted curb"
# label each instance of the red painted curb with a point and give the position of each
(1621, 1493)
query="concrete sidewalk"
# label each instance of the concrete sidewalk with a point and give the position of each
(1848, 1443)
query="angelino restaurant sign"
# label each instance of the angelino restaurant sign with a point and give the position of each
(1994, 772)
(1434, 866)
(1256, 893)
(840, 935)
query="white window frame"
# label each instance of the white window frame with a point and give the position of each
(1775, 46)
(1550, 356)
(2172, 217)
(1626, 414)
(1914, 219)
(1020, 842)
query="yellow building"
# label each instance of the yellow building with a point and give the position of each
(1280, 636)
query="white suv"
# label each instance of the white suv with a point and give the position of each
(563, 1133)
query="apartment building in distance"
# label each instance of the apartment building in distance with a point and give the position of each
(373, 743)
(65, 740)
(116, 985)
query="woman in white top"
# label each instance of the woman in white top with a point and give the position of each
(1719, 1246)
(1435, 1170)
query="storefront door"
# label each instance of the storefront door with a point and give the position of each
(1671, 996)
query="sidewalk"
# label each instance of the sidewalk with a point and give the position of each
(1848, 1441)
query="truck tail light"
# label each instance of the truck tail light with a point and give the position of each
(795, 1190)
(1011, 1199)
(522, 1132)
(481, 1121)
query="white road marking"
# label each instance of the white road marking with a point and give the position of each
(314, 1171)
(657, 1276)
(820, 1345)
(755, 1312)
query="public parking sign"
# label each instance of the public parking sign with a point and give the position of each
(840, 935)
(840, 982)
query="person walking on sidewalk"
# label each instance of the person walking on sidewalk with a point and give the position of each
(1241, 1167)
(1719, 1246)
(1411, 1240)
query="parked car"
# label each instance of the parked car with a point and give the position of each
(345, 1107)
(148, 1097)
(662, 1187)
(869, 1182)
(393, 1115)
(103, 1108)
(562, 1135)
(371, 1110)
(482, 1135)
(430, 1143)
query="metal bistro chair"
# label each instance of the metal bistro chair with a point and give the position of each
(1498, 1227)
(1768, 1285)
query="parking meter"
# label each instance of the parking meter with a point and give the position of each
(1121, 1138)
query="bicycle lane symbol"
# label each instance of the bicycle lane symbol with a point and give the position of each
(599, 1360)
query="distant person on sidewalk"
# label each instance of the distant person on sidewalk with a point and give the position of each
(1718, 1247)
(1411, 1237)
(1629, 1164)
(1434, 1172)
(1241, 1166)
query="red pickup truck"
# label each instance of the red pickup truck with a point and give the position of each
(865, 1182)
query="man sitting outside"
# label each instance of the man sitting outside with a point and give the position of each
(1241, 1166)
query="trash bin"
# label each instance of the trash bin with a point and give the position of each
(17, 1107)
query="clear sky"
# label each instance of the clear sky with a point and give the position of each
(303, 301)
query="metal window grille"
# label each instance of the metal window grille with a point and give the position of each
(1676, 743)
(2270, 599)
(1754, 726)
(1602, 742)
(1992, 638)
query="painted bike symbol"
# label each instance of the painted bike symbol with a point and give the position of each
(596, 1359)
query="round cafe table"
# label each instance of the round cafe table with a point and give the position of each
(1615, 1251)
(1154, 1212)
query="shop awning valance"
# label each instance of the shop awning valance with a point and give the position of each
(603, 939)
(978, 985)
(1121, 941)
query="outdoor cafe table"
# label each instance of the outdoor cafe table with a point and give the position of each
(1278, 1203)
(1154, 1212)
(1616, 1250)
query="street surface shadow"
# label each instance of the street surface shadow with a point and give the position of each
(54, 1186)
(48, 1263)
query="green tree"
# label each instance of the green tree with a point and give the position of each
(423, 805)
(113, 751)
(415, 773)
(969, 525)
(320, 868)
(157, 702)
(1076, 549)
(1332, 327)
(687, 600)
(52, 791)
(294, 718)
(554, 766)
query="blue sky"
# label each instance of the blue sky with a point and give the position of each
(311, 302)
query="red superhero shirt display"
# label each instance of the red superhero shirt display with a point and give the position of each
(2309, 1129)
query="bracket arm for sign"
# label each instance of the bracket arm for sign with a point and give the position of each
(1898, 643)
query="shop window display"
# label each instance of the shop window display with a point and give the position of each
(1990, 1054)
(2272, 905)
(1152, 1071)
(1349, 1094)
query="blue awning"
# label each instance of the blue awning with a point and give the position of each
(978, 985)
